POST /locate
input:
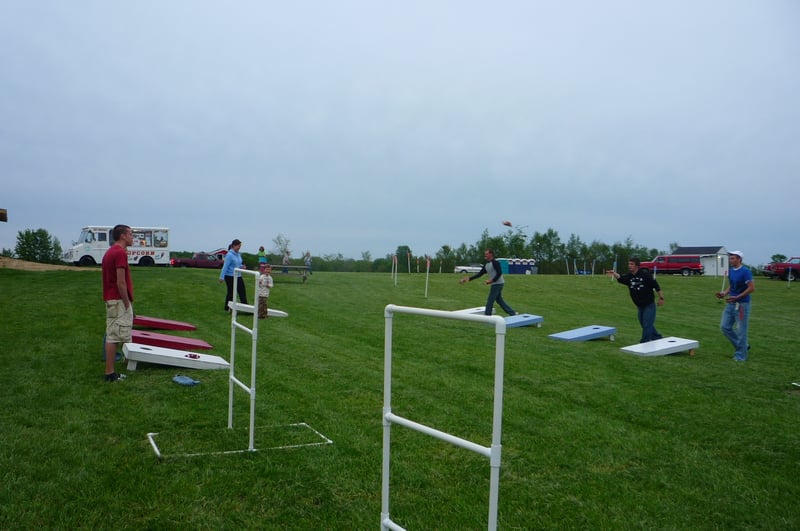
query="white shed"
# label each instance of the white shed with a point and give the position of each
(714, 258)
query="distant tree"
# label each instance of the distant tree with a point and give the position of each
(673, 246)
(364, 264)
(402, 251)
(381, 265)
(778, 257)
(281, 245)
(601, 254)
(548, 250)
(515, 242)
(404, 258)
(626, 250)
(446, 258)
(38, 246)
(461, 254)
(575, 248)
(495, 243)
(629, 249)
(8, 253)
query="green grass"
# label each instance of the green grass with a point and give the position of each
(592, 437)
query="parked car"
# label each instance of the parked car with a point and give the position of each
(788, 270)
(206, 260)
(685, 264)
(471, 269)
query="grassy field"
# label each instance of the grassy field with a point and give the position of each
(592, 437)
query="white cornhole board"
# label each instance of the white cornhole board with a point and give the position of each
(586, 333)
(524, 319)
(478, 310)
(249, 308)
(512, 321)
(662, 347)
(136, 352)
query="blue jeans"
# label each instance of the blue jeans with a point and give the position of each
(734, 325)
(496, 295)
(647, 318)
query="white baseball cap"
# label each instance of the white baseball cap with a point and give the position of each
(737, 253)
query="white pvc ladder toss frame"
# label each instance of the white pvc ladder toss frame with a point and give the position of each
(493, 452)
(235, 307)
(232, 379)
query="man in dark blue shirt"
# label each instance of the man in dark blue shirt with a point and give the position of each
(736, 316)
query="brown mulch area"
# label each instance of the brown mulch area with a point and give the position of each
(13, 263)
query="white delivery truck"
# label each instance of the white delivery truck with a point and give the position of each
(150, 246)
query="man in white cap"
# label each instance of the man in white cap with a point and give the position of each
(737, 310)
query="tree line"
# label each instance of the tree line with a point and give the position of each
(552, 254)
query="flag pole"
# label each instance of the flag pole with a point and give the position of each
(427, 274)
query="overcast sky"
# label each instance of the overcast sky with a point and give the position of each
(352, 126)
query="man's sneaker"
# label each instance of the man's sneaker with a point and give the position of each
(114, 377)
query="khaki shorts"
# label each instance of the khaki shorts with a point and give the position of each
(119, 321)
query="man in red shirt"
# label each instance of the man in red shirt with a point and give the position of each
(118, 295)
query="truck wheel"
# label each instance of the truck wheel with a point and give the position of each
(146, 261)
(685, 272)
(791, 275)
(86, 261)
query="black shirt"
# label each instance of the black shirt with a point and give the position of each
(641, 285)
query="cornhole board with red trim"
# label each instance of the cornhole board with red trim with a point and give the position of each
(135, 352)
(167, 341)
(161, 324)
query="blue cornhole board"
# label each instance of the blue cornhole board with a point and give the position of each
(586, 333)
(524, 319)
